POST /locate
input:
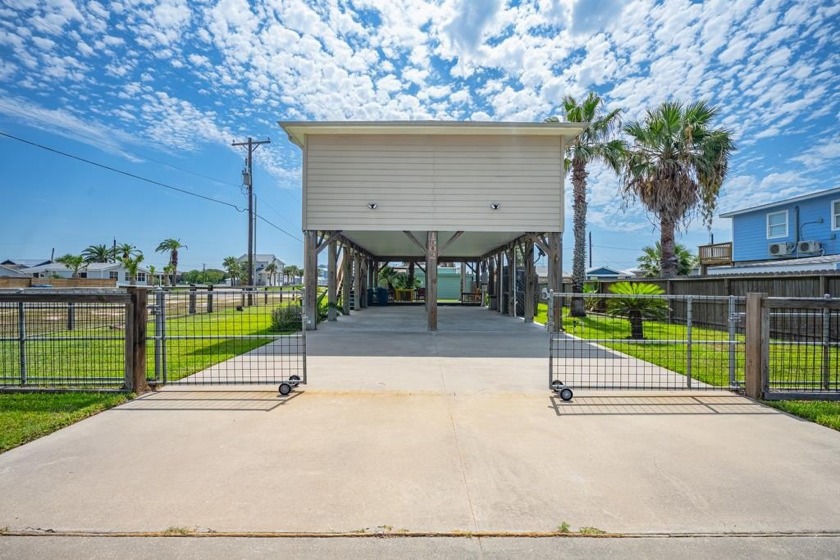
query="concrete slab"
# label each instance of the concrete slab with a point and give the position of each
(347, 461)
(445, 440)
(188, 548)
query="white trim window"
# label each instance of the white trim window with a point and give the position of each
(835, 215)
(114, 275)
(141, 277)
(777, 224)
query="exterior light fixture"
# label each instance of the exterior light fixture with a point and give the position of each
(495, 205)
(373, 205)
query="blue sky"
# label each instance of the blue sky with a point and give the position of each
(160, 89)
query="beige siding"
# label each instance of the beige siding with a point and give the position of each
(433, 183)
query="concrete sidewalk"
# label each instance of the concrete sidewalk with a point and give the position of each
(462, 437)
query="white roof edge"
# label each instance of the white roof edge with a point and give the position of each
(781, 202)
(297, 129)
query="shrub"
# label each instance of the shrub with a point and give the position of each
(638, 302)
(287, 318)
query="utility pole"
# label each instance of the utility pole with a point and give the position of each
(248, 181)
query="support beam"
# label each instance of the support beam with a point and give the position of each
(502, 281)
(431, 279)
(415, 241)
(365, 278)
(528, 310)
(347, 278)
(310, 278)
(452, 240)
(511, 257)
(492, 289)
(332, 295)
(463, 278)
(555, 277)
(324, 243)
(357, 280)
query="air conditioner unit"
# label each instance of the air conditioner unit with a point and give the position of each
(808, 247)
(779, 249)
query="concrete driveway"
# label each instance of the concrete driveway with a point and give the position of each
(461, 438)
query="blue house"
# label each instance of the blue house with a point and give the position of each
(804, 227)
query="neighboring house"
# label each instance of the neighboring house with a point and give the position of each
(261, 277)
(115, 271)
(9, 272)
(20, 264)
(112, 271)
(795, 235)
(607, 273)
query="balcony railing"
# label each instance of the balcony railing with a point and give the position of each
(716, 254)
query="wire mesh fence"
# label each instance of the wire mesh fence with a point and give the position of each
(63, 339)
(661, 342)
(226, 337)
(803, 359)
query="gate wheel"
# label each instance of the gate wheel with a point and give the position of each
(557, 386)
(294, 380)
(566, 394)
(285, 388)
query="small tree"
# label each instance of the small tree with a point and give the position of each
(73, 262)
(167, 274)
(651, 260)
(132, 264)
(233, 269)
(638, 302)
(152, 271)
(271, 270)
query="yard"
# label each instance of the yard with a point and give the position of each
(28, 416)
(96, 352)
(710, 360)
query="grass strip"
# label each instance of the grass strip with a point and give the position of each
(28, 416)
(824, 413)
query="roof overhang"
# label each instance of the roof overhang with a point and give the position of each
(785, 202)
(298, 130)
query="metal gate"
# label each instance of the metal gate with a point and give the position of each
(647, 342)
(242, 336)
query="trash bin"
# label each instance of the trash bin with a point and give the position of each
(382, 296)
(370, 295)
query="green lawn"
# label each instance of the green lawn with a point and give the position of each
(28, 416)
(710, 362)
(663, 347)
(825, 413)
(104, 358)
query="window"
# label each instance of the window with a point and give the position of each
(114, 275)
(835, 214)
(141, 277)
(127, 276)
(777, 224)
(83, 275)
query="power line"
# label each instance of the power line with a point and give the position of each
(140, 178)
(118, 147)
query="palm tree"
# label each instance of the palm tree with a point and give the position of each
(271, 269)
(651, 260)
(73, 262)
(152, 271)
(97, 254)
(124, 251)
(288, 272)
(167, 274)
(171, 245)
(233, 268)
(676, 167)
(595, 143)
(132, 264)
(638, 302)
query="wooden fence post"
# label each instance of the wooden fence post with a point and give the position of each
(135, 340)
(757, 345)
